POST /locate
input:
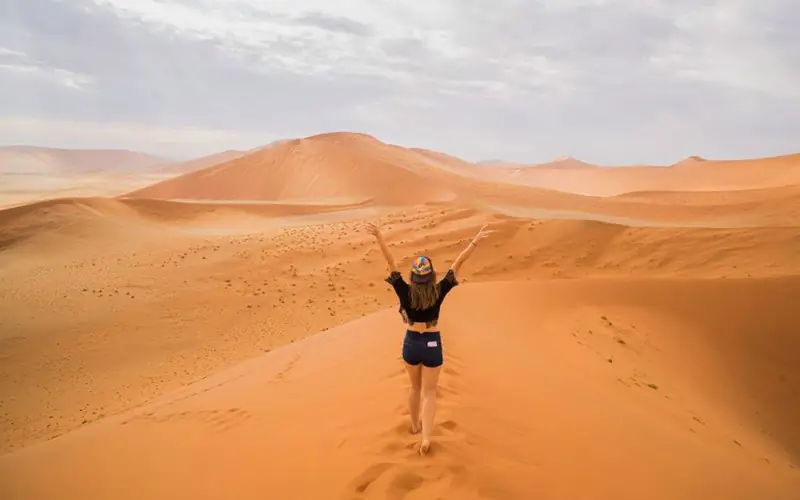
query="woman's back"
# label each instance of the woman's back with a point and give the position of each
(418, 311)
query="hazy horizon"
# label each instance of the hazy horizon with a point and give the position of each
(479, 161)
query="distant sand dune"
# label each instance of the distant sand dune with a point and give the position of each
(328, 165)
(708, 175)
(39, 160)
(362, 168)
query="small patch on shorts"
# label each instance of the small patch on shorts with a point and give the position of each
(432, 343)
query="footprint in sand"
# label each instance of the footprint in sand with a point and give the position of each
(449, 425)
(363, 481)
(404, 483)
(394, 447)
(403, 429)
(281, 375)
(399, 486)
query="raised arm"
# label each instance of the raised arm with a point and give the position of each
(467, 252)
(376, 232)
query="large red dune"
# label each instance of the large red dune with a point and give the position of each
(227, 333)
(326, 166)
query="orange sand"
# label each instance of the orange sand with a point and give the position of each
(633, 346)
(326, 166)
(203, 162)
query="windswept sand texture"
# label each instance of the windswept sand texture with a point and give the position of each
(638, 346)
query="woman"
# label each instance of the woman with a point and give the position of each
(420, 302)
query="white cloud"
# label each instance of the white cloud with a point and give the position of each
(612, 81)
(18, 64)
(6, 52)
(723, 42)
(54, 75)
(330, 39)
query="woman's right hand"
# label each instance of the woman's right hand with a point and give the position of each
(373, 229)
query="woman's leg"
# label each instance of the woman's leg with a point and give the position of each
(415, 376)
(430, 379)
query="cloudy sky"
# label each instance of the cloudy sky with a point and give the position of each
(607, 81)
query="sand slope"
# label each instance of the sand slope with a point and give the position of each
(183, 167)
(530, 408)
(338, 165)
(69, 220)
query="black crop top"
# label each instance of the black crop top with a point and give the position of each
(428, 316)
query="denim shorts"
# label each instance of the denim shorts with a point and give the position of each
(425, 348)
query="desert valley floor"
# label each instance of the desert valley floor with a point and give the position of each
(226, 332)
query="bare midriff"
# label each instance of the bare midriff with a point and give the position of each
(422, 328)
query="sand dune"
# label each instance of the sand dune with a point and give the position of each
(337, 165)
(227, 333)
(359, 167)
(70, 218)
(769, 206)
(563, 163)
(692, 175)
(29, 174)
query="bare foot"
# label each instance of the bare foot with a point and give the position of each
(415, 428)
(424, 447)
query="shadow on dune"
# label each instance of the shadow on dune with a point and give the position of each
(734, 342)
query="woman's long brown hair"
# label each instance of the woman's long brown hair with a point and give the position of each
(424, 295)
